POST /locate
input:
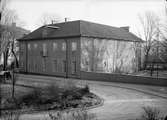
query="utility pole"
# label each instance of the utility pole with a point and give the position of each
(158, 51)
(157, 58)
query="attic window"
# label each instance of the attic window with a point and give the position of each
(51, 26)
(47, 28)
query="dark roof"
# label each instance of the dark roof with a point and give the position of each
(82, 28)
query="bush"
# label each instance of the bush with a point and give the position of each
(71, 94)
(75, 93)
(32, 98)
(85, 90)
(51, 93)
(73, 115)
(10, 115)
(151, 113)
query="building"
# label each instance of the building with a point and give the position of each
(66, 49)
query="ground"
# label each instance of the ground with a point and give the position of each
(123, 104)
(121, 101)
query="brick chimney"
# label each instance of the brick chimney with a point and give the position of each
(126, 28)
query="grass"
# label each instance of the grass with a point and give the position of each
(73, 115)
(151, 113)
(11, 115)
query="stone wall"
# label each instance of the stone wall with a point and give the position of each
(109, 56)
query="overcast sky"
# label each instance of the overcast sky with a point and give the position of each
(110, 12)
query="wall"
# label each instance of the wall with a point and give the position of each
(109, 56)
(123, 78)
(56, 59)
(22, 56)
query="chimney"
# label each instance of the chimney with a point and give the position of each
(126, 28)
(66, 19)
(13, 24)
(53, 21)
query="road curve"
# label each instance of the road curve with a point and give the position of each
(121, 101)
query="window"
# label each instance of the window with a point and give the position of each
(21, 53)
(21, 62)
(44, 49)
(54, 65)
(64, 66)
(29, 66)
(35, 46)
(43, 65)
(74, 46)
(74, 67)
(35, 66)
(29, 46)
(54, 46)
(21, 49)
(63, 46)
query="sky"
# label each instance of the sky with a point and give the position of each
(116, 13)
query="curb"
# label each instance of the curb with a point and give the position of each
(130, 88)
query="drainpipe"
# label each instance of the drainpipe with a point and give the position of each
(66, 67)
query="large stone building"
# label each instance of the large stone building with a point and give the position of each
(66, 49)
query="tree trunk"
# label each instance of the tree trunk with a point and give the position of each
(145, 61)
(5, 60)
(17, 62)
(12, 50)
(13, 84)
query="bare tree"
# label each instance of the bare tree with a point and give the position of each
(150, 32)
(48, 18)
(163, 53)
(8, 40)
(8, 35)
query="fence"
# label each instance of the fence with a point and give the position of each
(123, 78)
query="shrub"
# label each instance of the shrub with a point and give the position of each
(71, 95)
(73, 115)
(11, 115)
(151, 113)
(51, 93)
(85, 90)
(75, 93)
(32, 98)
